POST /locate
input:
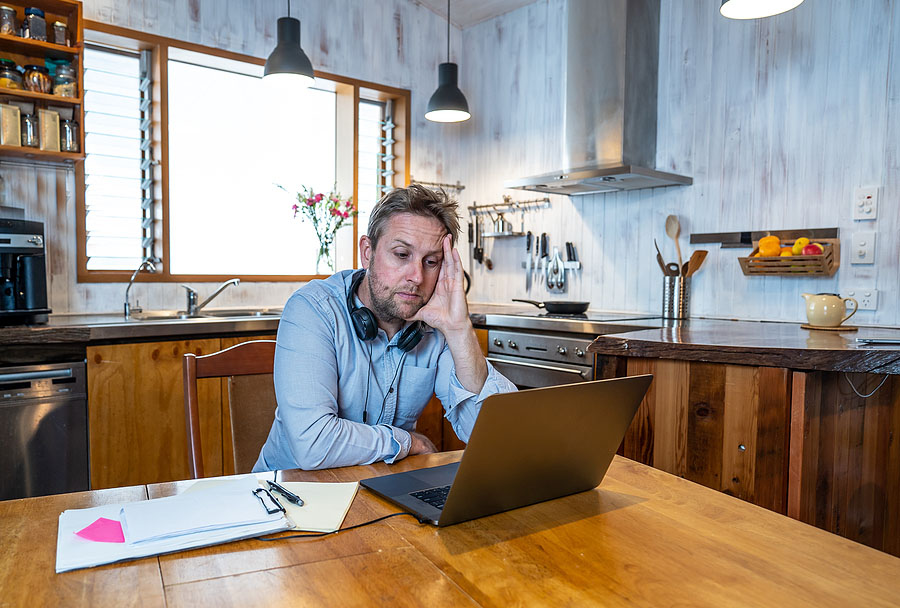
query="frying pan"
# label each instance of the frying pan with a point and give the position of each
(558, 307)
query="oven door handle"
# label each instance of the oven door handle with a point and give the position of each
(548, 368)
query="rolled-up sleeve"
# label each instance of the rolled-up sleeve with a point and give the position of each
(461, 406)
(308, 432)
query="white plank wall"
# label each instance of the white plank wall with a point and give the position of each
(777, 120)
(393, 42)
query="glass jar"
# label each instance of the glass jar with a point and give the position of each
(10, 78)
(60, 33)
(34, 24)
(64, 83)
(37, 79)
(8, 21)
(68, 136)
(29, 131)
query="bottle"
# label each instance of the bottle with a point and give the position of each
(64, 83)
(60, 33)
(8, 21)
(68, 136)
(29, 131)
(10, 78)
(35, 24)
(37, 79)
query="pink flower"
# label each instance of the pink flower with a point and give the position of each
(295, 207)
(310, 202)
(319, 197)
(345, 214)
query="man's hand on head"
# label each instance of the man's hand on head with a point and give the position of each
(420, 444)
(447, 310)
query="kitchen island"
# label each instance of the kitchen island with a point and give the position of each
(799, 421)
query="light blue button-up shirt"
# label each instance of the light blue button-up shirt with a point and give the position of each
(325, 377)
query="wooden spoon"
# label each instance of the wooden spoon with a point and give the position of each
(696, 261)
(673, 229)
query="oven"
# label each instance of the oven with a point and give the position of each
(536, 360)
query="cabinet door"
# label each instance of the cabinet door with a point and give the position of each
(136, 413)
(723, 426)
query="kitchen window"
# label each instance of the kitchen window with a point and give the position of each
(219, 147)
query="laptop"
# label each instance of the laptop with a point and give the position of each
(526, 447)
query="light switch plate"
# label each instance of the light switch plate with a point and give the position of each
(865, 203)
(862, 249)
(867, 298)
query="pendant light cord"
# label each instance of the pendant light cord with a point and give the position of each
(289, 8)
(448, 31)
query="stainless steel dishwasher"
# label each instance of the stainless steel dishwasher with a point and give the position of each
(43, 430)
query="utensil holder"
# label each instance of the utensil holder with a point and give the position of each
(676, 297)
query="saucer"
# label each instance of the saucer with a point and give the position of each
(838, 328)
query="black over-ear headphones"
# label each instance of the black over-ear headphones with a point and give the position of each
(366, 326)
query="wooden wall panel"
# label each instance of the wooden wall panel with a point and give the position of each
(845, 473)
(136, 413)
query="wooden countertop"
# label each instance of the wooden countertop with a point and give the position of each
(759, 343)
(644, 538)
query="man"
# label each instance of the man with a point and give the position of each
(359, 354)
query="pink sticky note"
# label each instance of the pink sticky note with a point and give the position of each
(103, 531)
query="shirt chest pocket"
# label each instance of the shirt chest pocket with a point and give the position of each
(415, 390)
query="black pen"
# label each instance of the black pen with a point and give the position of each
(286, 493)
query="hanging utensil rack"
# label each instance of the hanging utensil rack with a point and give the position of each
(508, 206)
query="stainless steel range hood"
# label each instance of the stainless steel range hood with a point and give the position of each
(612, 55)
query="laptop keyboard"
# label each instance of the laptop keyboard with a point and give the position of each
(436, 497)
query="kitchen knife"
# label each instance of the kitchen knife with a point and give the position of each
(570, 252)
(528, 238)
(545, 252)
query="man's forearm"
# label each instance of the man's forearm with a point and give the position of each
(471, 367)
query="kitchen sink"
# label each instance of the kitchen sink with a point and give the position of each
(220, 313)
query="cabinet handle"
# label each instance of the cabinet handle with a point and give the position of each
(42, 375)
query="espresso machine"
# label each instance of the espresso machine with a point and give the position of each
(23, 273)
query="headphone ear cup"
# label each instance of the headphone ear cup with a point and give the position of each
(364, 323)
(410, 337)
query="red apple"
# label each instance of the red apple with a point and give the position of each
(813, 249)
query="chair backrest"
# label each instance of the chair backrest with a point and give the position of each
(251, 399)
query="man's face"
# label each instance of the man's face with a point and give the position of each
(403, 269)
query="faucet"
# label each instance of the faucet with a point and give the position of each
(144, 262)
(193, 308)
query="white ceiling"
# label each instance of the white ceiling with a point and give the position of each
(465, 13)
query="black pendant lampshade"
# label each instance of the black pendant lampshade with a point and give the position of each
(756, 9)
(448, 104)
(288, 61)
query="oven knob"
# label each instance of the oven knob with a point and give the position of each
(579, 352)
(561, 350)
(513, 344)
(498, 342)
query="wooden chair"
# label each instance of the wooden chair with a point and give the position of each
(250, 400)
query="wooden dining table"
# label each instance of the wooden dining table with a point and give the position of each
(642, 538)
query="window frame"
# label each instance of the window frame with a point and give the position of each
(350, 91)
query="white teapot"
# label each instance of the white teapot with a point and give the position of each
(828, 309)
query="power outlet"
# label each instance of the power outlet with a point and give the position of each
(865, 203)
(867, 298)
(862, 249)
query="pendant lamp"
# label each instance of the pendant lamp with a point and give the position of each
(288, 65)
(755, 9)
(448, 104)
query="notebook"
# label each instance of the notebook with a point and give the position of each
(526, 447)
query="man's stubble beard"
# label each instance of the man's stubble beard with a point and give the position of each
(385, 308)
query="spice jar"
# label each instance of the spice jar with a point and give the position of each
(29, 131)
(34, 26)
(68, 136)
(10, 78)
(37, 79)
(8, 21)
(64, 83)
(60, 33)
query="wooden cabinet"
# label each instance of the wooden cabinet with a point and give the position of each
(723, 426)
(34, 52)
(136, 412)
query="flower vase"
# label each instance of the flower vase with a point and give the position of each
(324, 261)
